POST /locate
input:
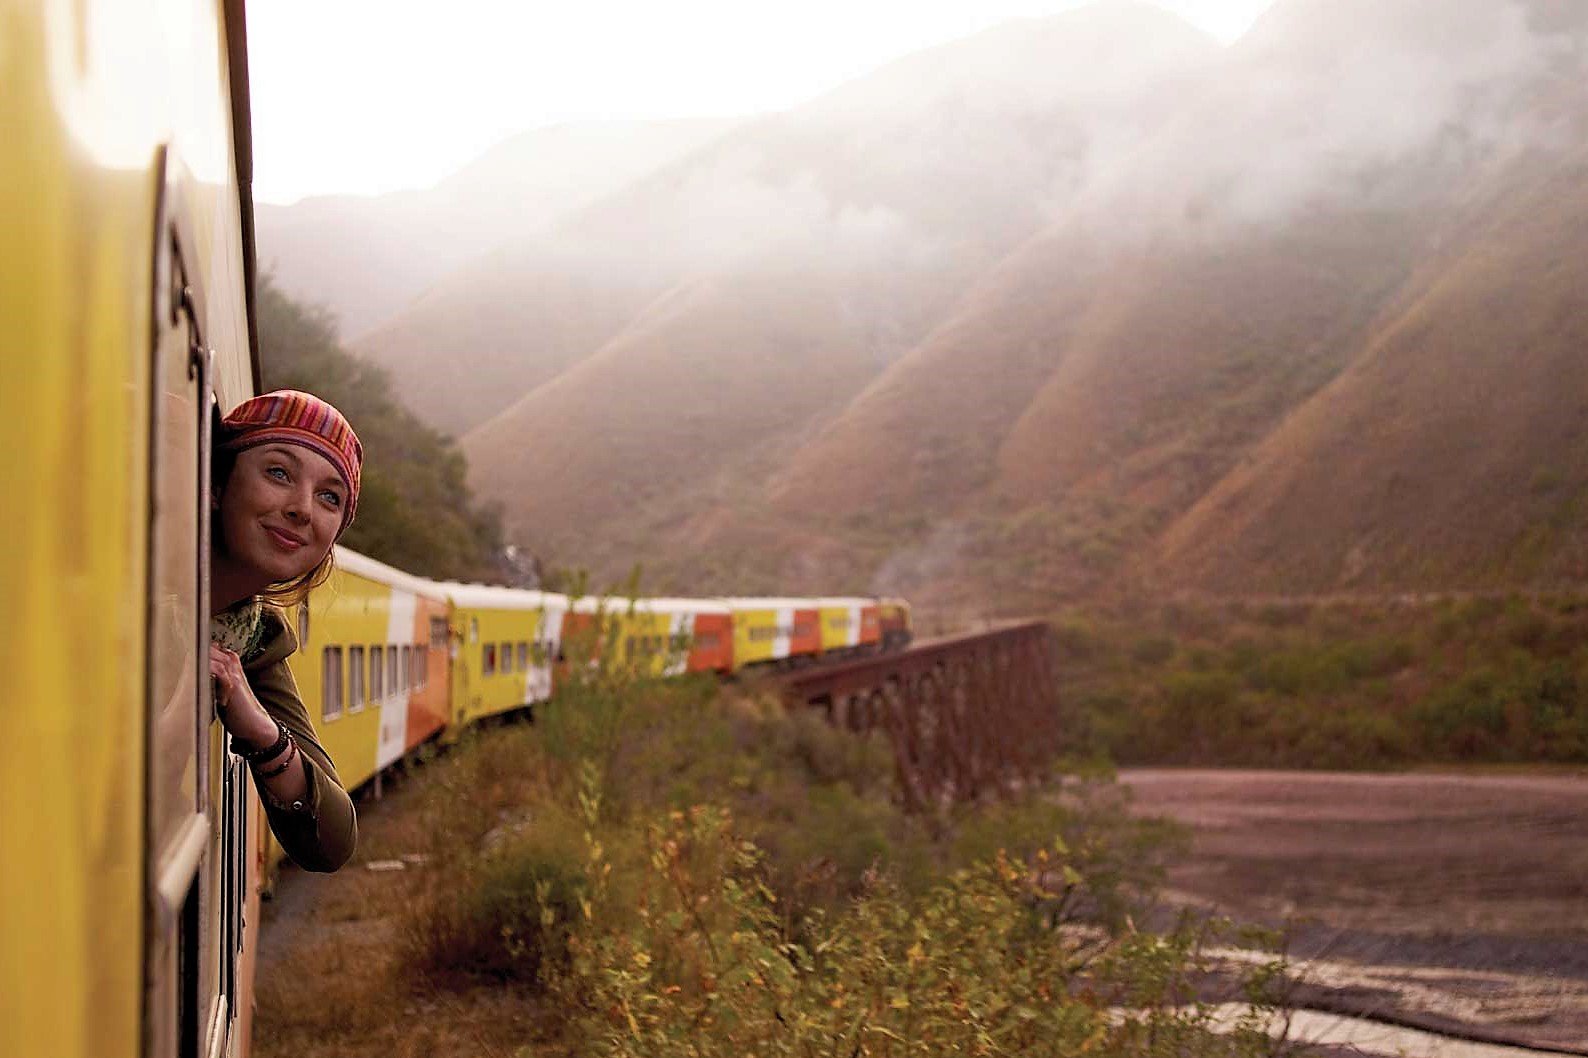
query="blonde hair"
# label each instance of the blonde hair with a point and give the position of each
(289, 593)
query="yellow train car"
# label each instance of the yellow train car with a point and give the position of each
(125, 826)
(660, 637)
(505, 642)
(774, 631)
(372, 664)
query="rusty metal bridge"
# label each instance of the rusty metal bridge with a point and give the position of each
(966, 717)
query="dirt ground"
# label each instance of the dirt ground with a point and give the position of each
(1458, 902)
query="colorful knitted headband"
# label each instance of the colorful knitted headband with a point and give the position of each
(291, 417)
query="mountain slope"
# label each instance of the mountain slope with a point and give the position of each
(1454, 453)
(834, 236)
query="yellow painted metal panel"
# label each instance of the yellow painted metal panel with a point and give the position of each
(74, 277)
(754, 636)
(476, 692)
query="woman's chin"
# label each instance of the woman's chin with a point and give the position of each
(283, 568)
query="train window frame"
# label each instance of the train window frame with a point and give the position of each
(377, 673)
(438, 633)
(523, 656)
(407, 667)
(332, 689)
(487, 659)
(394, 687)
(505, 658)
(422, 659)
(355, 679)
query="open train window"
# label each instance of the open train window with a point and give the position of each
(377, 685)
(331, 684)
(355, 679)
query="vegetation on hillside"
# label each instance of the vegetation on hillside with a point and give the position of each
(415, 509)
(667, 869)
(1454, 680)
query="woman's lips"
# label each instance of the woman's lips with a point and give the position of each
(285, 541)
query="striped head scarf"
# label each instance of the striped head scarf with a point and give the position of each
(291, 417)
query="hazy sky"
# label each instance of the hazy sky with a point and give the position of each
(373, 95)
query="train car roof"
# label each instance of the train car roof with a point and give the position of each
(368, 568)
(498, 597)
(846, 600)
(621, 604)
(770, 602)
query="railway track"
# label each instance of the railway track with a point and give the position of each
(966, 716)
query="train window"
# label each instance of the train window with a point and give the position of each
(303, 622)
(408, 668)
(474, 630)
(507, 657)
(523, 656)
(355, 679)
(488, 659)
(422, 659)
(377, 685)
(331, 684)
(393, 677)
(438, 633)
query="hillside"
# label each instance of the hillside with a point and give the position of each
(366, 257)
(811, 250)
(1076, 307)
(1454, 453)
(1100, 382)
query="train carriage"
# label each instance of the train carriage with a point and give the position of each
(371, 664)
(669, 637)
(123, 289)
(774, 630)
(504, 642)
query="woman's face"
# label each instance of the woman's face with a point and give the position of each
(281, 509)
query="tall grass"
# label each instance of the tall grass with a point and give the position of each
(679, 871)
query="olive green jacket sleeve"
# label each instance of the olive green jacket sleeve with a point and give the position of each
(319, 832)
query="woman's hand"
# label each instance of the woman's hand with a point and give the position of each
(240, 712)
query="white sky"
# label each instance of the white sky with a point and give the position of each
(369, 96)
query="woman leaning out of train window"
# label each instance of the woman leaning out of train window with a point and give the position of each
(287, 470)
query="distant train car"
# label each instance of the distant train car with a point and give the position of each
(850, 626)
(774, 631)
(893, 616)
(504, 642)
(669, 637)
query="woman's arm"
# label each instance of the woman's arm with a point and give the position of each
(309, 811)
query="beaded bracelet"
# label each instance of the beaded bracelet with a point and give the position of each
(258, 756)
(284, 765)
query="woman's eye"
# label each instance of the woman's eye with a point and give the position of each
(334, 499)
(279, 473)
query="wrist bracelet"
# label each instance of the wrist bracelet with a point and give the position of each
(256, 756)
(284, 765)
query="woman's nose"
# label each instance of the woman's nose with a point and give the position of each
(298, 507)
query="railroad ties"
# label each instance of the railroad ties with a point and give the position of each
(967, 717)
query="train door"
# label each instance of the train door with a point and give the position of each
(196, 793)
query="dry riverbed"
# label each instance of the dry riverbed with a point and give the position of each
(1454, 902)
